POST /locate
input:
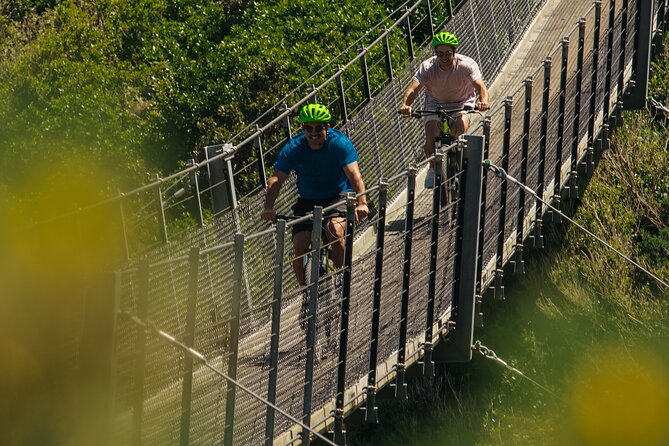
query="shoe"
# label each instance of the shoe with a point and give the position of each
(429, 179)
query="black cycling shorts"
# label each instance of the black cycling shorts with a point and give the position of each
(303, 206)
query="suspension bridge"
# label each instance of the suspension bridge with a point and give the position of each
(199, 327)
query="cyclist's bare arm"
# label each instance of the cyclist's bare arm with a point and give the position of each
(352, 172)
(410, 96)
(274, 184)
(482, 92)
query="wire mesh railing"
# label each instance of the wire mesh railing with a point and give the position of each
(363, 83)
(220, 296)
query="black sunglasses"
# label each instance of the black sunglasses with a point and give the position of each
(313, 128)
(444, 54)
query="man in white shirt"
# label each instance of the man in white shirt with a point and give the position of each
(453, 82)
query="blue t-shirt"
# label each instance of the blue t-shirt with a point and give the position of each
(320, 173)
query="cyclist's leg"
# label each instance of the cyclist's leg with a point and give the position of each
(336, 231)
(301, 242)
(460, 124)
(301, 238)
(431, 134)
(432, 124)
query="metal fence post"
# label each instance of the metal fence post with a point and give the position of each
(189, 341)
(260, 157)
(286, 122)
(428, 13)
(638, 92)
(195, 190)
(589, 152)
(506, 147)
(621, 64)
(342, 95)
(458, 347)
(366, 89)
(573, 174)
(484, 185)
(311, 320)
(658, 43)
(428, 364)
(276, 329)
(339, 433)
(234, 339)
(400, 385)
(371, 411)
(140, 358)
(609, 74)
(517, 261)
(387, 56)
(559, 144)
(221, 177)
(458, 218)
(409, 37)
(314, 96)
(124, 230)
(537, 237)
(161, 211)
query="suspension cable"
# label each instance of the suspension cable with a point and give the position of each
(503, 175)
(490, 354)
(151, 328)
(658, 105)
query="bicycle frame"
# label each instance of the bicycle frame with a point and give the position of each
(453, 153)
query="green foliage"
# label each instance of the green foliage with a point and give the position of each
(655, 247)
(144, 84)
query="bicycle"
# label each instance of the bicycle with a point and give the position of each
(329, 280)
(453, 163)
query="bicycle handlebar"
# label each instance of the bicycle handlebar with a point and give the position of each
(440, 112)
(328, 214)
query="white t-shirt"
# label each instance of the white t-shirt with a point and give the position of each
(451, 89)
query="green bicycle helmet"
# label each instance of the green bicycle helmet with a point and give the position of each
(444, 38)
(314, 113)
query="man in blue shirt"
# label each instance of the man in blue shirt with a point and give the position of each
(326, 164)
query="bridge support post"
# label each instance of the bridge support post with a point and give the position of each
(588, 161)
(479, 268)
(501, 232)
(276, 326)
(339, 433)
(458, 346)
(517, 261)
(573, 173)
(428, 364)
(371, 411)
(537, 237)
(343, 111)
(621, 64)
(221, 177)
(260, 157)
(409, 36)
(311, 322)
(635, 99)
(428, 14)
(189, 341)
(559, 144)
(400, 385)
(234, 339)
